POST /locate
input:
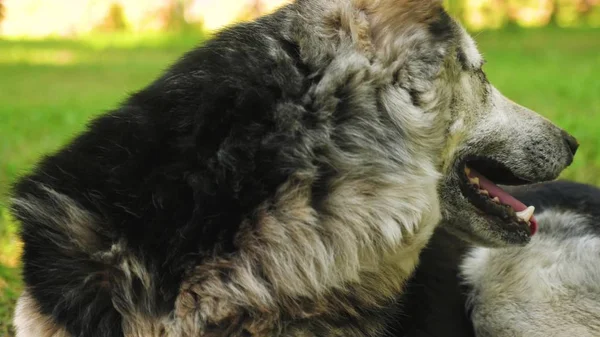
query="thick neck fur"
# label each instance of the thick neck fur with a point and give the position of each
(309, 196)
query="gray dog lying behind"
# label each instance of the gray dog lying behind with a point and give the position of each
(550, 287)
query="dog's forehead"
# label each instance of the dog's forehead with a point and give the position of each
(470, 54)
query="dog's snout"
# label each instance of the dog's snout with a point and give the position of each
(571, 141)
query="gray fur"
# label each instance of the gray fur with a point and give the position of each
(550, 287)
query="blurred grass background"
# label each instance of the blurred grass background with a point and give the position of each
(544, 54)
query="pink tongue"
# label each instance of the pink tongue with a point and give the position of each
(505, 198)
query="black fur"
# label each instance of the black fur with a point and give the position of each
(433, 304)
(462, 59)
(203, 144)
(443, 27)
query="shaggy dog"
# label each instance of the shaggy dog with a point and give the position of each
(280, 180)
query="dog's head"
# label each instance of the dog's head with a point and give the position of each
(431, 87)
(492, 140)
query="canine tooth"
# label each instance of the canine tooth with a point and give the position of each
(474, 180)
(467, 170)
(526, 214)
(484, 192)
(496, 199)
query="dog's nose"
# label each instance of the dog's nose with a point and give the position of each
(572, 143)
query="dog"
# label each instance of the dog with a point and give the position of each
(551, 287)
(280, 180)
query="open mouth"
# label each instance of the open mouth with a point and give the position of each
(478, 185)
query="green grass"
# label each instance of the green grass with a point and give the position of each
(50, 89)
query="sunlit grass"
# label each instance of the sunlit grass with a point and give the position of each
(10, 284)
(10, 287)
(49, 90)
(10, 246)
(41, 56)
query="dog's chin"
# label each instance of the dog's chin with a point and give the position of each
(470, 225)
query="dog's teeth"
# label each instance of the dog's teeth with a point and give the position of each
(484, 192)
(474, 180)
(496, 199)
(467, 170)
(526, 214)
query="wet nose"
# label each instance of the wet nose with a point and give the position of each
(572, 143)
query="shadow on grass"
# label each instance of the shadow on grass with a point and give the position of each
(163, 41)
